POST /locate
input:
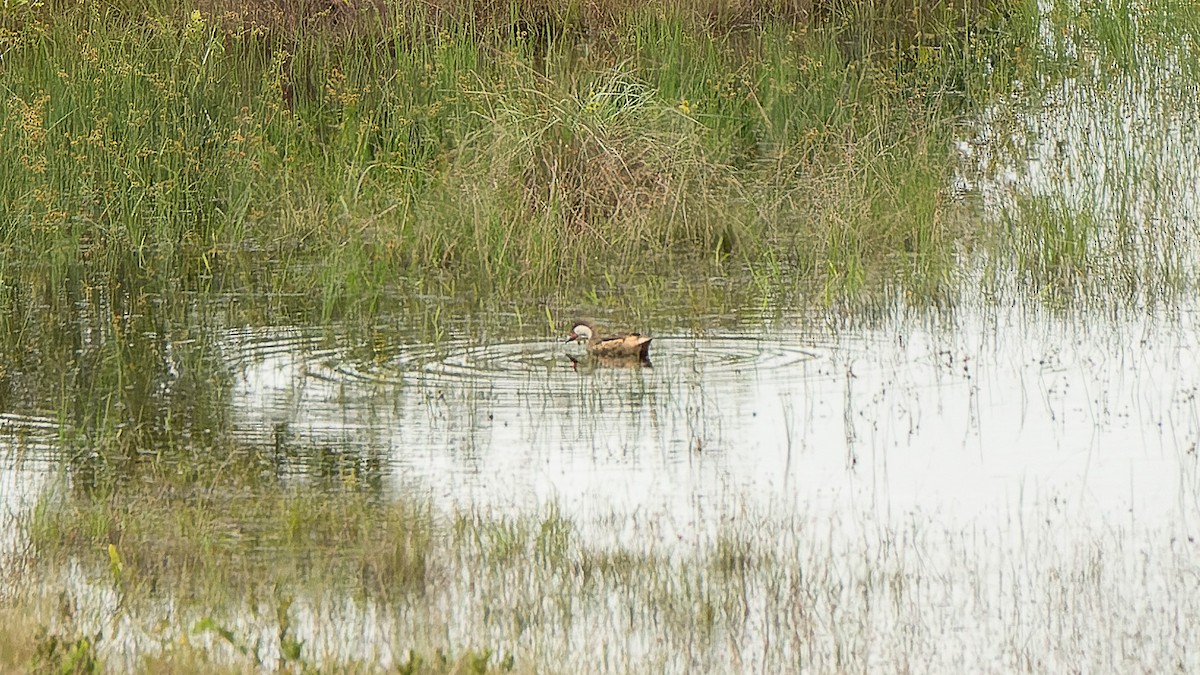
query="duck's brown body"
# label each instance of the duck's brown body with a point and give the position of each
(632, 346)
(620, 346)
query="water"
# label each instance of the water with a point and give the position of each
(971, 415)
(1008, 484)
(934, 483)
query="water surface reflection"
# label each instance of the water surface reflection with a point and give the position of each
(975, 414)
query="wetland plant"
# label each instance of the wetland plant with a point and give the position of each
(344, 145)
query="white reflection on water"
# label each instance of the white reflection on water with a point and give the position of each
(28, 458)
(977, 416)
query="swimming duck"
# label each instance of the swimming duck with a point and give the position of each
(611, 347)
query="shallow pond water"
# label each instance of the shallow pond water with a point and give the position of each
(979, 413)
(925, 483)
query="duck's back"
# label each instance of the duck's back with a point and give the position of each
(623, 345)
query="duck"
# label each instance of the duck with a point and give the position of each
(630, 346)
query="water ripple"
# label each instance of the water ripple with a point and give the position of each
(498, 364)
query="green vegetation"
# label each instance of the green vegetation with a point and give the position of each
(384, 172)
(175, 169)
(345, 152)
(535, 594)
(532, 146)
(27, 646)
(201, 531)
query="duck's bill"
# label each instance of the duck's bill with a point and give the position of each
(571, 338)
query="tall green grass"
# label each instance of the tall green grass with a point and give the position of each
(527, 147)
(1093, 189)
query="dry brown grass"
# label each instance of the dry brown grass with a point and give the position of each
(588, 180)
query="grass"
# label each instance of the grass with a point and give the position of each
(29, 646)
(402, 171)
(523, 151)
(507, 151)
(1096, 210)
(382, 549)
(767, 591)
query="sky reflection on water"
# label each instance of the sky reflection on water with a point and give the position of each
(969, 417)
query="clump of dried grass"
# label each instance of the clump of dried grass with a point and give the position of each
(588, 179)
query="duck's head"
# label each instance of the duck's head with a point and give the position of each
(582, 332)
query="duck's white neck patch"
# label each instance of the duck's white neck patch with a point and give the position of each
(583, 332)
